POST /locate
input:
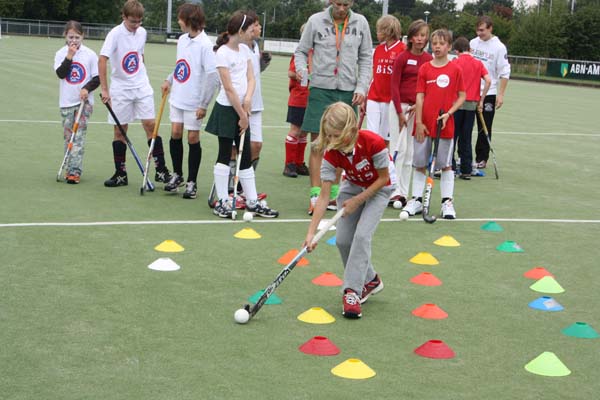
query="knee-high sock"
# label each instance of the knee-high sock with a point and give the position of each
(119, 153)
(447, 184)
(194, 159)
(158, 153)
(300, 149)
(248, 184)
(418, 184)
(176, 149)
(221, 173)
(291, 149)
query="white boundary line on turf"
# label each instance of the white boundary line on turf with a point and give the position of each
(216, 222)
(26, 121)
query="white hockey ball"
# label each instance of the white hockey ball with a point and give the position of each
(404, 215)
(241, 316)
(248, 216)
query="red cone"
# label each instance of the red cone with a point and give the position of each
(430, 311)
(426, 279)
(319, 346)
(435, 349)
(537, 273)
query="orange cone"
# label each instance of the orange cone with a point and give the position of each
(327, 279)
(289, 256)
(429, 311)
(537, 273)
(426, 279)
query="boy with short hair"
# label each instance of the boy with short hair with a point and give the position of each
(439, 87)
(130, 92)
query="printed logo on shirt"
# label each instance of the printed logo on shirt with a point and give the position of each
(131, 63)
(442, 80)
(76, 74)
(182, 71)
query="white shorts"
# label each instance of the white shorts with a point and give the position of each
(256, 126)
(378, 119)
(132, 104)
(185, 117)
(422, 153)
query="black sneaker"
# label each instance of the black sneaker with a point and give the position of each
(118, 179)
(290, 170)
(302, 169)
(222, 209)
(162, 175)
(190, 190)
(261, 209)
(174, 183)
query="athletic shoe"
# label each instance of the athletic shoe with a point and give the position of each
(477, 172)
(373, 287)
(302, 169)
(73, 179)
(332, 206)
(482, 164)
(262, 210)
(465, 177)
(312, 204)
(190, 190)
(290, 170)
(118, 179)
(222, 209)
(174, 183)
(448, 210)
(396, 198)
(351, 303)
(413, 207)
(162, 175)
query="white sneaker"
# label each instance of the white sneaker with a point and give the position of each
(413, 207)
(448, 211)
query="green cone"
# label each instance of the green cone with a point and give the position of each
(547, 364)
(510, 247)
(492, 227)
(273, 299)
(581, 330)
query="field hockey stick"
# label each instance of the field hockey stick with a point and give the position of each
(408, 114)
(212, 196)
(429, 185)
(252, 310)
(129, 144)
(70, 144)
(236, 177)
(487, 136)
(152, 141)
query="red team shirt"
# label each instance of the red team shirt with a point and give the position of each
(383, 60)
(473, 71)
(359, 168)
(441, 86)
(298, 93)
(404, 77)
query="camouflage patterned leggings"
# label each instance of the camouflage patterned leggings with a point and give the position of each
(75, 163)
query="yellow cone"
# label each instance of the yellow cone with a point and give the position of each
(247, 233)
(547, 284)
(353, 368)
(169, 246)
(447, 241)
(424, 258)
(316, 315)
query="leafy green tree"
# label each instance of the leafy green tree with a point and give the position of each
(583, 34)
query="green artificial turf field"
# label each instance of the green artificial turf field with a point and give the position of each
(81, 315)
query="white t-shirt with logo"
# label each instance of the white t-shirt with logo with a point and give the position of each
(125, 50)
(83, 68)
(492, 53)
(195, 59)
(237, 64)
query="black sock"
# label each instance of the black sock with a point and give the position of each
(119, 152)
(158, 153)
(194, 159)
(176, 149)
(255, 163)
(446, 198)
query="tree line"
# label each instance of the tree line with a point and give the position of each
(552, 28)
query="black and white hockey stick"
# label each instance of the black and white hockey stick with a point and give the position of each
(487, 136)
(429, 185)
(149, 184)
(252, 310)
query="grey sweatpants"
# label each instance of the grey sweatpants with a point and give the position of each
(355, 232)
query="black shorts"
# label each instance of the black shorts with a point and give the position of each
(295, 115)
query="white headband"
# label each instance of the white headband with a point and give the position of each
(243, 22)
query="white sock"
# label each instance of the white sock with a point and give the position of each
(248, 184)
(221, 173)
(418, 184)
(447, 184)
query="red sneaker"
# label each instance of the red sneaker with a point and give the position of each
(373, 287)
(73, 179)
(351, 303)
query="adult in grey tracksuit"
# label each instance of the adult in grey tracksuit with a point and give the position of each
(341, 67)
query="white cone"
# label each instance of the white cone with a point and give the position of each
(164, 264)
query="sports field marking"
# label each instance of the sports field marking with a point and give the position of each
(27, 121)
(276, 221)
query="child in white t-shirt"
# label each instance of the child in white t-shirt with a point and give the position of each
(77, 68)
(193, 84)
(130, 94)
